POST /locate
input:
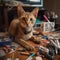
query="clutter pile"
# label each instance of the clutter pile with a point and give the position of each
(48, 47)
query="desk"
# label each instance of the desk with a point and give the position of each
(24, 57)
(15, 54)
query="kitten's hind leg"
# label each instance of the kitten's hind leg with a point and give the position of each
(35, 40)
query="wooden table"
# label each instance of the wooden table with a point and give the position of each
(15, 54)
(24, 57)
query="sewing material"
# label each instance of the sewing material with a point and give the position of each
(13, 55)
(17, 59)
(38, 58)
(31, 56)
(53, 43)
(21, 49)
(14, 45)
(48, 53)
(40, 55)
(24, 53)
(2, 53)
(56, 45)
(5, 41)
(9, 49)
(52, 24)
(12, 51)
(46, 18)
(43, 49)
(45, 41)
(9, 59)
(46, 37)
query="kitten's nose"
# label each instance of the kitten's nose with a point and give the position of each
(27, 23)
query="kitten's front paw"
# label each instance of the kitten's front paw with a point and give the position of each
(26, 45)
(35, 40)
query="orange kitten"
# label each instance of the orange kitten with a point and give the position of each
(22, 28)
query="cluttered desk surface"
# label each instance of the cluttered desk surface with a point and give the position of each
(46, 50)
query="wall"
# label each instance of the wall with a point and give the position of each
(53, 5)
(57, 9)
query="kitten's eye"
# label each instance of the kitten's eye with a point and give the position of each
(31, 19)
(23, 18)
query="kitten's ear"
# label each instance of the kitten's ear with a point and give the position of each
(20, 10)
(35, 12)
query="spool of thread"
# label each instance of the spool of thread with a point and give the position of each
(38, 58)
(24, 53)
(9, 59)
(17, 59)
(21, 50)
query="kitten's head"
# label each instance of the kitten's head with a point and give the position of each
(27, 19)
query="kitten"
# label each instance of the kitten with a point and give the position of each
(22, 28)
